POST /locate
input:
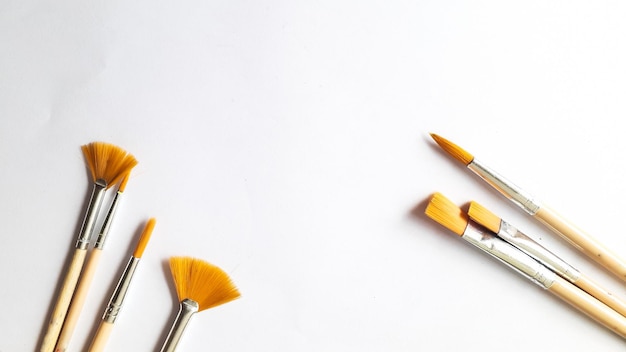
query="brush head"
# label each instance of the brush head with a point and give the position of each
(145, 237)
(108, 162)
(454, 150)
(122, 186)
(446, 213)
(483, 216)
(202, 282)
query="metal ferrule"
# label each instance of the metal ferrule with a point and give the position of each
(186, 310)
(106, 225)
(512, 235)
(517, 195)
(91, 214)
(509, 255)
(117, 299)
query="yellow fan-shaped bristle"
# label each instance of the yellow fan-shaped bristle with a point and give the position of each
(483, 216)
(145, 237)
(108, 162)
(454, 150)
(446, 213)
(202, 282)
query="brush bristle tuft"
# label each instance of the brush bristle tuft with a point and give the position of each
(145, 238)
(454, 150)
(202, 282)
(483, 216)
(446, 213)
(122, 186)
(108, 162)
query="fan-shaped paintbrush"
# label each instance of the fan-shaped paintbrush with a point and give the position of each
(199, 285)
(108, 164)
(88, 273)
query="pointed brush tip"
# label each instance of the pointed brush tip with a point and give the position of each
(453, 150)
(123, 183)
(145, 238)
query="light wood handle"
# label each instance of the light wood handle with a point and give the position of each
(78, 300)
(63, 301)
(102, 336)
(601, 294)
(589, 305)
(582, 241)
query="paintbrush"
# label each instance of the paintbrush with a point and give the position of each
(446, 213)
(200, 286)
(511, 234)
(108, 164)
(86, 276)
(119, 294)
(579, 239)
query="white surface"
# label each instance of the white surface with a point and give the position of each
(287, 142)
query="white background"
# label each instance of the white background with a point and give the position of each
(287, 142)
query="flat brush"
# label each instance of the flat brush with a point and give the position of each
(452, 217)
(541, 212)
(108, 164)
(199, 286)
(88, 273)
(511, 234)
(117, 298)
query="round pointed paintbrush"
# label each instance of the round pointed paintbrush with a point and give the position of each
(108, 164)
(200, 286)
(544, 214)
(119, 294)
(88, 273)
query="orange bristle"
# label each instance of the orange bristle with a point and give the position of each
(483, 216)
(108, 162)
(454, 150)
(202, 282)
(446, 213)
(122, 186)
(145, 237)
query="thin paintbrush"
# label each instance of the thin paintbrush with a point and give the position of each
(452, 217)
(88, 272)
(511, 234)
(199, 285)
(117, 298)
(579, 239)
(108, 164)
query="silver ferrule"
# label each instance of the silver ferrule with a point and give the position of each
(515, 237)
(106, 225)
(91, 214)
(186, 310)
(117, 299)
(509, 255)
(517, 195)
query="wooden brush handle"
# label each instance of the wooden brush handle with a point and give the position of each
(78, 300)
(63, 301)
(582, 241)
(601, 294)
(101, 337)
(589, 305)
